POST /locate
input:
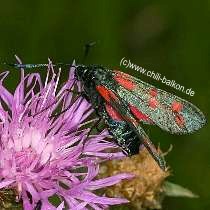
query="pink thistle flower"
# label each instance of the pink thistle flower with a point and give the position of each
(44, 148)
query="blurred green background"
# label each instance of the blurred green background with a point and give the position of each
(168, 37)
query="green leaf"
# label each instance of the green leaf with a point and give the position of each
(175, 190)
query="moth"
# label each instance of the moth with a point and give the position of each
(125, 102)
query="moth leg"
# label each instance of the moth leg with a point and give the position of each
(79, 94)
(95, 125)
(155, 154)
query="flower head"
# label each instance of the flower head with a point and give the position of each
(145, 191)
(46, 150)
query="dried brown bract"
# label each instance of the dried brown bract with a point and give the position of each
(143, 191)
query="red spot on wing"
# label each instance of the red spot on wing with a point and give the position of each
(179, 120)
(153, 103)
(153, 92)
(113, 113)
(176, 106)
(106, 93)
(121, 74)
(123, 80)
(139, 115)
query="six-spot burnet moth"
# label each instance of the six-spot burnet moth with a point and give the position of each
(124, 102)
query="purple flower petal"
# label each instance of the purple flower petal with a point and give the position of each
(6, 183)
(45, 151)
(109, 181)
(92, 198)
(60, 207)
(6, 96)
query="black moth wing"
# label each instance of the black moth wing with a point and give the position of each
(124, 136)
(108, 91)
(169, 112)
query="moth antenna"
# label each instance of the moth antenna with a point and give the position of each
(87, 48)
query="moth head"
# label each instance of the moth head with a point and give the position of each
(85, 73)
(80, 72)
